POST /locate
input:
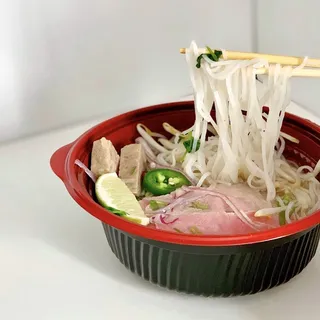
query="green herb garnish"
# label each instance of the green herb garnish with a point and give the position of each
(282, 218)
(189, 143)
(177, 230)
(156, 205)
(214, 55)
(199, 205)
(282, 215)
(195, 230)
(133, 170)
(187, 140)
(116, 211)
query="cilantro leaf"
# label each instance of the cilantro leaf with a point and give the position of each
(213, 55)
(189, 143)
(156, 205)
(116, 211)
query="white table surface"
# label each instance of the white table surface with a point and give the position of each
(55, 262)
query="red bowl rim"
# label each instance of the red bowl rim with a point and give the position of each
(82, 197)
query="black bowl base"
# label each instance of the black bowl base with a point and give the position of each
(215, 271)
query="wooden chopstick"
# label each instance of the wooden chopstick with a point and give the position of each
(313, 73)
(284, 60)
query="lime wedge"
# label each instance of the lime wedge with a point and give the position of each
(113, 194)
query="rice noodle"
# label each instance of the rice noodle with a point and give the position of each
(247, 143)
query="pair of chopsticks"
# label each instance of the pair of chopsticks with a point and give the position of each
(273, 59)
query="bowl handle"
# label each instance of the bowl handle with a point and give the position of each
(58, 160)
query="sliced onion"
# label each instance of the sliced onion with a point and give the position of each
(86, 170)
(160, 218)
(167, 222)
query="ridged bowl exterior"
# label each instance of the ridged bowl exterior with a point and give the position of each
(215, 271)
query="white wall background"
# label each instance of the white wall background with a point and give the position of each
(292, 27)
(67, 61)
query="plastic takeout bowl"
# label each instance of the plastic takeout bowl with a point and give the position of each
(206, 265)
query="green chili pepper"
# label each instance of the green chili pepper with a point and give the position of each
(163, 181)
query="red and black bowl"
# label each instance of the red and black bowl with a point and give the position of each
(203, 265)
